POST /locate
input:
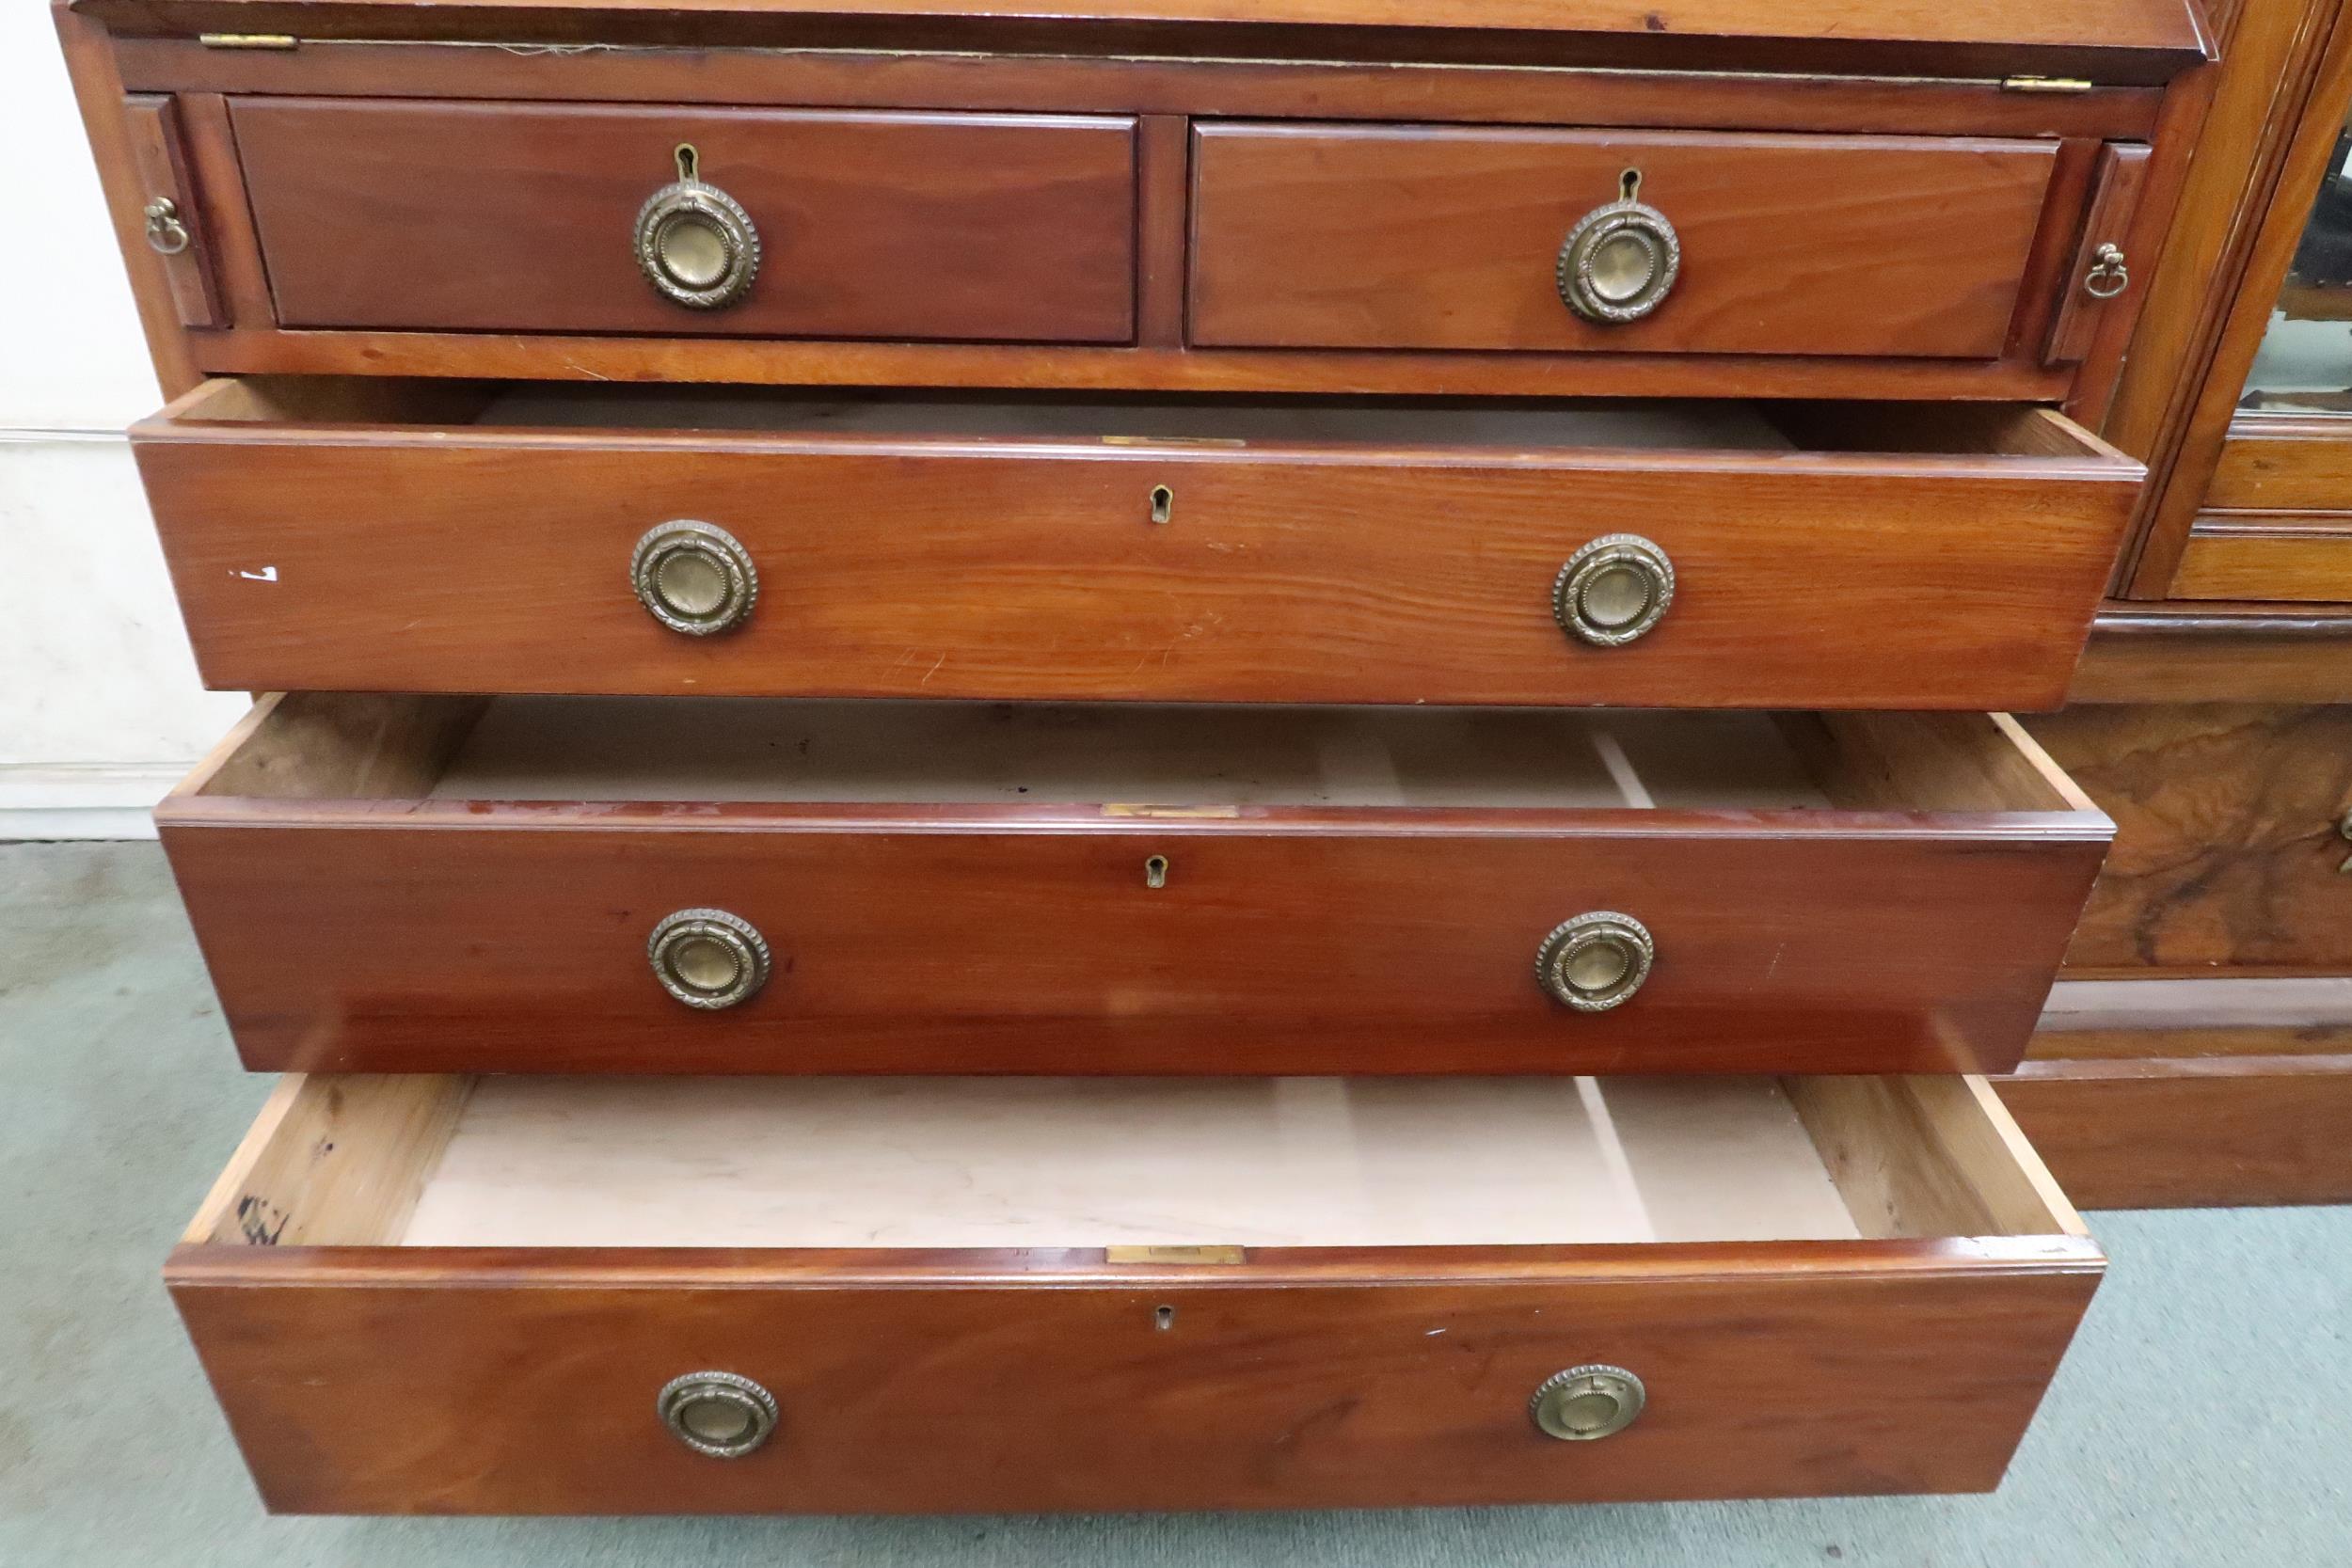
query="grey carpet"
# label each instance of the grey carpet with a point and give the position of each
(2203, 1416)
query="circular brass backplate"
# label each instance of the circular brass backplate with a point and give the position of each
(1596, 961)
(1619, 262)
(694, 577)
(697, 245)
(1613, 590)
(709, 959)
(718, 1414)
(1586, 1403)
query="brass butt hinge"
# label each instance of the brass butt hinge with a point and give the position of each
(2045, 84)
(247, 41)
(1180, 1255)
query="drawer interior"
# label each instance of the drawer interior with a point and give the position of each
(308, 744)
(1085, 1163)
(1373, 425)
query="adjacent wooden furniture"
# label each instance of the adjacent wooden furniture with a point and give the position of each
(2217, 1073)
(768, 515)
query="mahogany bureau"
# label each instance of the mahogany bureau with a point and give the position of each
(1186, 755)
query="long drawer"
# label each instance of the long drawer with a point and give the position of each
(593, 885)
(426, 537)
(547, 1296)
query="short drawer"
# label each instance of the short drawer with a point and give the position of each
(1438, 237)
(528, 217)
(426, 537)
(606, 885)
(415, 1295)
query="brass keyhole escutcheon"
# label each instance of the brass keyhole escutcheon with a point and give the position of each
(719, 1414)
(1613, 590)
(694, 576)
(709, 959)
(694, 243)
(1584, 1403)
(1620, 261)
(1596, 961)
(1155, 872)
(1163, 504)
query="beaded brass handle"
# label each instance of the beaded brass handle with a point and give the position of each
(694, 243)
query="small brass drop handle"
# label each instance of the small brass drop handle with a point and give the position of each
(1596, 961)
(1620, 261)
(719, 1414)
(1613, 590)
(165, 233)
(709, 959)
(695, 243)
(2108, 275)
(694, 577)
(1582, 1403)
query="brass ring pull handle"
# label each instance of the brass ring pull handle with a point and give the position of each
(1613, 590)
(165, 233)
(1586, 1403)
(709, 959)
(1596, 961)
(694, 243)
(695, 578)
(718, 1414)
(1620, 261)
(2108, 275)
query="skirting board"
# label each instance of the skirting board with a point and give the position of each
(49, 800)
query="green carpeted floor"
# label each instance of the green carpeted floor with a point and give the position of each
(2204, 1415)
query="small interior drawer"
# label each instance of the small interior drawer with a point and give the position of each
(418, 214)
(443, 884)
(412, 536)
(1452, 237)
(992, 1296)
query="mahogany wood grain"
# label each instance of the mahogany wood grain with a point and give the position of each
(98, 90)
(2226, 854)
(406, 934)
(2188, 1132)
(1326, 89)
(2107, 41)
(324, 556)
(244, 279)
(2211, 654)
(159, 150)
(519, 218)
(1446, 238)
(2271, 556)
(975, 1381)
(2121, 175)
(2283, 463)
(2301, 140)
(776, 362)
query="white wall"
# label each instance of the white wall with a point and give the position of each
(99, 709)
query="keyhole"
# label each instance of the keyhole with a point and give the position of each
(1163, 504)
(1155, 872)
(690, 163)
(1163, 1318)
(1629, 185)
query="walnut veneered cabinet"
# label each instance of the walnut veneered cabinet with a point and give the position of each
(973, 804)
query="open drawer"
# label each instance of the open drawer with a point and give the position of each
(673, 885)
(417, 1296)
(330, 535)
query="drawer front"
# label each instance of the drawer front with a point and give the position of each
(514, 217)
(451, 559)
(959, 1379)
(470, 931)
(1430, 237)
